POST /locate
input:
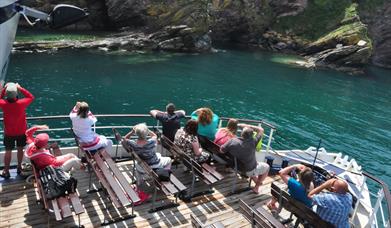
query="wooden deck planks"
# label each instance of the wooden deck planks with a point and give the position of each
(217, 207)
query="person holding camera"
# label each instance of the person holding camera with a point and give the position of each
(38, 152)
(298, 189)
(333, 206)
(146, 148)
(170, 120)
(15, 123)
(82, 122)
(243, 148)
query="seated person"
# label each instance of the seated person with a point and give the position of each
(146, 148)
(186, 139)
(37, 151)
(243, 148)
(224, 134)
(82, 122)
(207, 122)
(333, 206)
(298, 189)
(170, 120)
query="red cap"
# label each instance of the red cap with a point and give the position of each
(41, 140)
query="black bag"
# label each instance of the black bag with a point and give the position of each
(56, 182)
(163, 174)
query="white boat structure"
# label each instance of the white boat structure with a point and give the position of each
(373, 200)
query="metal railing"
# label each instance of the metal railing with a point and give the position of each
(383, 199)
(269, 128)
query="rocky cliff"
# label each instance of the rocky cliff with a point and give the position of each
(342, 34)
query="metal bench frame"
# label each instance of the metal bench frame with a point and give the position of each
(173, 187)
(204, 171)
(62, 207)
(112, 180)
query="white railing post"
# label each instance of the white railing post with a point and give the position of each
(270, 140)
(372, 218)
(358, 200)
(220, 123)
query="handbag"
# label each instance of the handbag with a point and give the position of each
(56, 182)
(163, 174)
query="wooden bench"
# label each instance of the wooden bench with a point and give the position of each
(196, 223)
(230, 160)
(112, 180)
(304, 214)
(259, 217)
(62, 206)
(173, 187)
(204, 171)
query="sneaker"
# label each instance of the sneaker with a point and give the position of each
(5, 175)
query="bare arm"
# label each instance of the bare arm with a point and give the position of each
(257, 129)
(130, 133)
(326, 185)
(196, 148)
(152, 134)
(284, 173)
(154, 112)
(181, 112)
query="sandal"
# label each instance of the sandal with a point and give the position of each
(19, 171)
(5, 175)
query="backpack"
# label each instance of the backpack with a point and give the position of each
(56, 182)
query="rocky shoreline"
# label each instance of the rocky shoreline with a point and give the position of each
(348, 45)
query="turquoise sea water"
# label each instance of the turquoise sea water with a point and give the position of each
(351, 114)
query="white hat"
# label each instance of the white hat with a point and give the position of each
(11, 90)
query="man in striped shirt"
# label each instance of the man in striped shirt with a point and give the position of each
(333, 206)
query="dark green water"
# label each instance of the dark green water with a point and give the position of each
(351, 114)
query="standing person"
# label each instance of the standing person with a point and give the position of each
(187, 140)
(243, 148)
(37, 151)
(146, 148)
(15, 123)
(224, 134)
(207, 122)
(333, 206)
(82, 121)
(170, 120)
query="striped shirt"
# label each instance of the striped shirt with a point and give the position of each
(334, 208)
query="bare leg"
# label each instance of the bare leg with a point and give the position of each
(20, 156)
(259, 181)
(7, 161)
(272, 204)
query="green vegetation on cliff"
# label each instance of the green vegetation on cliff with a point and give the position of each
(319, 18)
(351, 30)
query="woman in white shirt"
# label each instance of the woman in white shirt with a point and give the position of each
(82, 121)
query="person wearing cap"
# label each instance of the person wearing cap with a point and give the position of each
(170, 120)
(333, 206)
(82, 122)
(15, 123)
(243, 148)
(37, 151)
(145, 147)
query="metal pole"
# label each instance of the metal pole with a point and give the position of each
(380, 196)
(317, 151)
(270, 140)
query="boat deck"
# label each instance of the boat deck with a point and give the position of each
(20, 209)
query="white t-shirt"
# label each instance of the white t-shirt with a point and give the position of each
(82, 126)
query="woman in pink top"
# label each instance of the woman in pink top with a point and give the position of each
(227, 133)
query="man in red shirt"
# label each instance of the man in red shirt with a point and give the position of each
(15, 124)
